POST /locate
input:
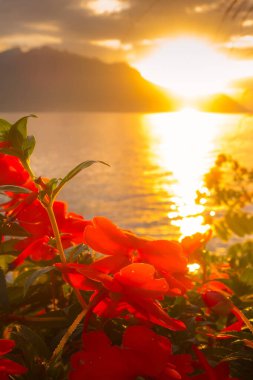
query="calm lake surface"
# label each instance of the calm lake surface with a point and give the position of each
(157, 163)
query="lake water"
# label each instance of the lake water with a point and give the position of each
(157, 163)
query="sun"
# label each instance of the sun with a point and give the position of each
(188, 66)
(100, 7)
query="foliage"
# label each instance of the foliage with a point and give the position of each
(84, 299)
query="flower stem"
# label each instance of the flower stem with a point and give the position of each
(27, 166)
(57, 236)
(241, 316)
(85, 313)
(68, 333)
(53, 221)
(98, 297)
(56, 231)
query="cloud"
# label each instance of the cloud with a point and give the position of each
(84, 26)
(27, 41)
(42, 27)
(112, 44)
(240, 42)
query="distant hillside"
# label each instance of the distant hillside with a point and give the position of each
(220, 103)
(45, 79)
(245, 92)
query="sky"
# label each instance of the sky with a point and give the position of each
(116, 30)
(191, 47)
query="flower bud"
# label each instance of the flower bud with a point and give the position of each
(217, 302)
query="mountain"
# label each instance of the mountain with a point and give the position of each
(44, 79)
(244, 88)
(220, 103)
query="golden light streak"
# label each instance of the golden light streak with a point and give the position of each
(182, 143)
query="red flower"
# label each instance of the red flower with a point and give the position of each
(98, 360)
(8, 367)
(142, 353)
(34, 220)
(72, 275)
(122, 248)
(216, 286)
(217, 302)
(193, 245)
(38, 250)
(215, 295)
(149, 354)
(134, 289)
(12, 171)
(6, 345)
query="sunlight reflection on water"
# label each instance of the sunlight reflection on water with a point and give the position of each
(184, 142)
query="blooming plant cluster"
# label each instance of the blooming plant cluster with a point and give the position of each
(84, 299)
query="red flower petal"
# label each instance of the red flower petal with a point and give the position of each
(37, 250)
(11, 367)
(164, 255)
(149, 352)
(105, 237)
(138, 279)
(110, 264)
(6, 345)
(96, 341)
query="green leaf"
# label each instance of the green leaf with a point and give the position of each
(247, 276)
(15, 189)
(22, 276)
(12, 229)
(38, 273)
(221, 230)
(10, 152)
(51, 186)
(29, 342)
(4, 125)
(28, 146)
(75, 171)
(4, 129)
(5, 259)
(74, 252)
(234, 223)
(18, 133)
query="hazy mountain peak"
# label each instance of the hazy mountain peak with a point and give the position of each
(52, 80)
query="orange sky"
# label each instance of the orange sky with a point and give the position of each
(121, 29)
(169, 41)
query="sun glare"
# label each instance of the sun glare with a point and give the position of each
(181, 144)
(100, 7)
(193, 268)
(189, 67)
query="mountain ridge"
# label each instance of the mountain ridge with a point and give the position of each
(45, 79)
(220, 103)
